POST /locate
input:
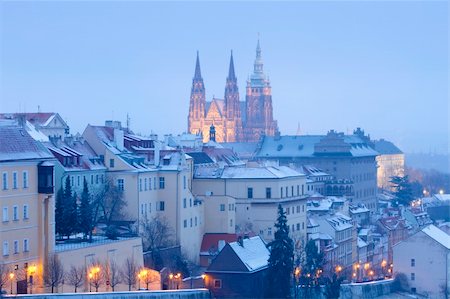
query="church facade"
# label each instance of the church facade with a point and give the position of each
(232, 119)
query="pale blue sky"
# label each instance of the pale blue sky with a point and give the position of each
(382, 65)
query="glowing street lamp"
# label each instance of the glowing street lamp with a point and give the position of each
(31, 271)
(338, 269)
(90, 275)
(11, 277)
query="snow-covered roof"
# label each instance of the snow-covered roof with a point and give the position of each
(340, 222)
(254, 253)
(269, 172)
(304, 146)
(442, 197)
(361, 243)
(438, 235)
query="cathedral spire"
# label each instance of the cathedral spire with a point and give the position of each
(198, 74)
(231, 74)
(258, 66)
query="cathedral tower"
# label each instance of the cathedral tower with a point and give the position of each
(197, 102)
(258, 99)
(232, 106)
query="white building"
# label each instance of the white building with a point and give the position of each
(425, 260)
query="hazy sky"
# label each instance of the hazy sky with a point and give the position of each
(382, 65)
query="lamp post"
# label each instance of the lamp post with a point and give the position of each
(11, 277)
(170, 281)
(31, 271)
(90, 275)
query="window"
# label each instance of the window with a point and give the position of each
(281, 191)
(140, 184)
(96, 179)
(413, 276)
(413, 262)
(111, 163)
(222, 207)
(298, 190)
(303, 189)
(160, 206)
(287, 210)
(292, 190)
(298, 226)
(191, 222)
(25, 211)
(231, 222)
(268, 192)
(303, 225)
(249, 192)
(14, 180)
(298, 209)
(162, 183)
(142, 209)
(184, 203)
(145, 184)
(92, 179)
(184, 182)
(15, 213)
(5, 181)
(150, 184)
(120, 184)
(269, 231)
(5, 214)
(195, 220)
(154, 183)
(26, 245)
(217, 283)
(16, 247)
(303, 208)
(190, 202)
(25, 179)
(185, 223)
(78, 181)
(5, 248)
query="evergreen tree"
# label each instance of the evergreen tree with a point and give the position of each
(403, 190)
(59, 212)
(312, 268)
(333, 287)
(70, 210)
(281, 260)
(86, 213)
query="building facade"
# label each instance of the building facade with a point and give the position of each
(27, 203)
(234, 121)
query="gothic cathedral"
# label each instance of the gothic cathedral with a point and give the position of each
(233, 120)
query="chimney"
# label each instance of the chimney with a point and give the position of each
(240, 241)
(157, 149)
(118, 139)
(221, 245)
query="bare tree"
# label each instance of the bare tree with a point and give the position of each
(95, 276)
(156, 234)
(53, 272)
(75, 277)
(129, 272)
(109, 203)
(148, 276)
(4, 276)
(111, 272)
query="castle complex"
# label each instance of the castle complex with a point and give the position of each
(233, 120)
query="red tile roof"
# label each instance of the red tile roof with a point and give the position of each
(211, 241)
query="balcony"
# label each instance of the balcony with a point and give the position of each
(45, 178)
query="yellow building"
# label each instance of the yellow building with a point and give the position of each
(27, 203)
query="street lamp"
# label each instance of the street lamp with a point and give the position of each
(31, 271)
(90, 275)
(11, 277)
